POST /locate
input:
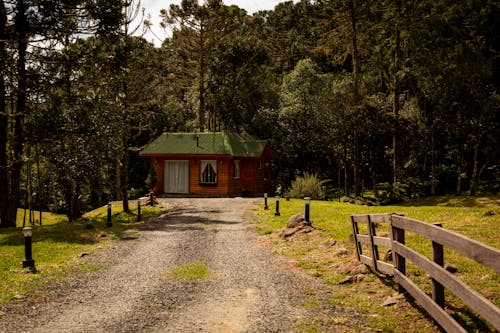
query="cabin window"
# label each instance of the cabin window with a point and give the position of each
(259, 164)
(208, 172)
(236, 169)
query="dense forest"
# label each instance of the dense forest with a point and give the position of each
(388, 95)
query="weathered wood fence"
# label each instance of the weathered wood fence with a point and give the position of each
(441, 278)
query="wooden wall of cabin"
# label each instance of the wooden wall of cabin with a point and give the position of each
(255, 176)
(223, 177)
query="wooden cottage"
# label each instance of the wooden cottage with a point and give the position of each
(210, 164)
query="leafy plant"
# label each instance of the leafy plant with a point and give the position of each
(308, 185)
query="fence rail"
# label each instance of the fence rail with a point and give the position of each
(441, 278)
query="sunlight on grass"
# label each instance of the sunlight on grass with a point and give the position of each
(464, 215)
(58, 247)
(48, 218)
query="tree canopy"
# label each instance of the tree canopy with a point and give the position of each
(394, 96)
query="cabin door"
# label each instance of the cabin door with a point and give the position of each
(176, 176)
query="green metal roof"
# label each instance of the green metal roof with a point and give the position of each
(217, 143)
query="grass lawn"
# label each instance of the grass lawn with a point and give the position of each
(464, 215)
(57, 246)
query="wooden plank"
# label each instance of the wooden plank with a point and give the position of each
(385, 267)
(475, 250)
(366, 260)
(470, 297)
(443, 318)
(382, 241)
(380, 218)
(359, 218)
(363, 239)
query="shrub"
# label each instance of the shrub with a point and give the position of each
(411, 188)
(309, 185)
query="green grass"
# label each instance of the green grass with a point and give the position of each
(464, 215)
(191, 271)
(57, 247)
(48, 218)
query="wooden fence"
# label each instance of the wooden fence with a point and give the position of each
(441, 278)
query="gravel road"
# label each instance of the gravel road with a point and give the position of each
(250, 291)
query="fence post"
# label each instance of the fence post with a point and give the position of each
(355, 231)
(371, 232)
(138, 210)
(398, 235)
(438, 257)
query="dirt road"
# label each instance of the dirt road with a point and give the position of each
(248, 291)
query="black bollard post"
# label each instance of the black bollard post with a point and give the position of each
(151, 199)
(277, 213)
(108, 222)
(307, 201)
(28, 257)
(266, 207)
(138, 211)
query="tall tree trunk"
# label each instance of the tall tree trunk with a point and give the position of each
(118, 176)
(356, 95)
(355, 56)
(339, 176)
(357, 182)
(18, 135)
(201, 83)
(4, 187)
(124, 182)
(396, 106)
(68, 199)
(433, 164)
(346, 174)
(460, 162)
(475, 170)
(72, 194)
(75, 202)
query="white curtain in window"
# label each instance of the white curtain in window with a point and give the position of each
(236, 169)
(208, 171)
(177, 176)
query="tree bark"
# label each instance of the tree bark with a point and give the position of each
(18, 135)
(356, 95)
(460, 162)
(433, 164)
(396, 106)
(355, 56)
(4, 188)
(357, 182)
(118, 176)
(475, 170)
(346, 174)
(124, 182)
(201, 82)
